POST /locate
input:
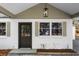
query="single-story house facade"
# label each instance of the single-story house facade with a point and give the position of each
(32, 29)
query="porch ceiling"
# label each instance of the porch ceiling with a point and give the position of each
(15, 8)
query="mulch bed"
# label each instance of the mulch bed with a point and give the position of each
(56, 50)
(4, 52)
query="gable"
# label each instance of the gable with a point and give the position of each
(36, 12)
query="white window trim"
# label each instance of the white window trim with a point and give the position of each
(50, 27)
(39, 29)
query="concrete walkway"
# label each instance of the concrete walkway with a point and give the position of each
(23, 50)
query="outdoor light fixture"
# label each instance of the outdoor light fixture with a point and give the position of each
(45, 13)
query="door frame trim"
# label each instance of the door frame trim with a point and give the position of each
(19, 23)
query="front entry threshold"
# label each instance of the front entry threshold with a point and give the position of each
(24, 48)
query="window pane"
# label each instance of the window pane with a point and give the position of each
(56, 25)
(56, 29)
(44, 29)
(44, 25)
(2, 28)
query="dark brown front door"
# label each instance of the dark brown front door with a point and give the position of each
(25, 35)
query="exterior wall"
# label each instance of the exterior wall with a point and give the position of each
(74, 31)
(51, 42)
(9, 42)
(55, 42)
(36, 12)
